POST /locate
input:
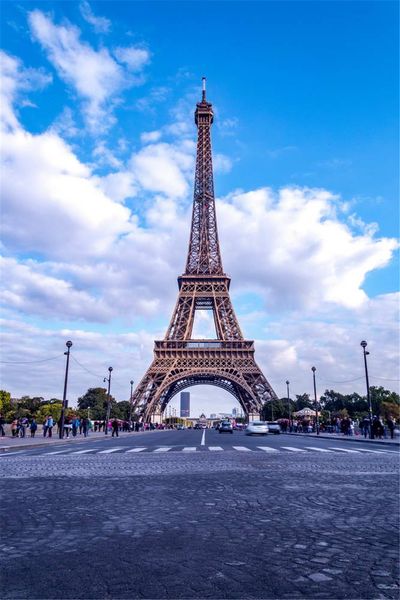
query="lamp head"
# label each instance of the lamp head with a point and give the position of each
(313, 369)
(287, 382)
(69, 344)
(364, 344)
(110, 369)
(131, 381)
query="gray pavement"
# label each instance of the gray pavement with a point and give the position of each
(275, 517)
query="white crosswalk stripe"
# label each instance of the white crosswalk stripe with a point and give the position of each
(345, 450)
(84, 451)
(189, 449)
(111, 450)
(318, 449)
(241, 448)
(135, 450)
(268, 449)
(374, 451)
(215, 448)
(164, 449)
(58, 452)
(291, 449)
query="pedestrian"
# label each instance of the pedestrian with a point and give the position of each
(390, 424)
(80, 426)
(23, 424)
(49, 426)
(114, 426)
(14, 428)
(2, 423)
(75, 425)
(33, 427)
(85, 426)
(67, 426)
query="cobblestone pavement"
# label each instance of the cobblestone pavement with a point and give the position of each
(200, 525)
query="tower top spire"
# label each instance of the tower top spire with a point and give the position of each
(203, 95)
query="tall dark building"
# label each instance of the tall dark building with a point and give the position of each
(185, 404)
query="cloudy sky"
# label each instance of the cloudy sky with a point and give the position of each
(98, 144)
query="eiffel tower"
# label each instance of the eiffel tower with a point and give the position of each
(179, 360)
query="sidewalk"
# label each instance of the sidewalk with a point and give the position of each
(8, 443)
(350, 438)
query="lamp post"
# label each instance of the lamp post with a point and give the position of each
(130, 408)
(313, 369)
(288, 399)
(108, 400)
(64, 402)
(364, 344)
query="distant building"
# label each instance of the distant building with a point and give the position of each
(234, 412)
(185, 404)
(213, 416)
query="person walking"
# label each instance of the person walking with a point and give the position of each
(33, 427)
(390, 425)
(49, 426)
(75, 425)
(115, 426)
(22, 422)
(85, 426)
(2, 423)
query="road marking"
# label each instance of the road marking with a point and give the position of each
(241, 448)
(203, 438)
(135, 450)
(345, 450)
(291, 449)
(164, 449)
(214, 448)
(111, 450)
(318, 449)
(189, 449)
(267, 449)
(374, 451)
(11, 453)
(84, 451)
(56, 452)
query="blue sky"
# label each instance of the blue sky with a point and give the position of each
(305, 96)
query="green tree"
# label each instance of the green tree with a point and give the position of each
(96, 400)
(32, 405)
(380, 395)
(53, 409)
(5, 402)
(303, 401)
(121, 410)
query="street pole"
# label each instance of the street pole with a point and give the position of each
(288, 400)
(64, 402)
(364, 344)
(108, 400)
(130, 408)
(313, 369)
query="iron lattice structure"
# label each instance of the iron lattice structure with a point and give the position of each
(180, 361)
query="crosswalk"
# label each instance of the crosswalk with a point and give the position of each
(118, 450)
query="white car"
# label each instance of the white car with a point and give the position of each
(257, 427)
(273, 427)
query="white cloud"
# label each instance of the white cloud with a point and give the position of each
(99, 24)
(134, 58)
(150, 136)
(51, 202)
(222, 163)
(294, 250)
(95, 75)
(16, 79)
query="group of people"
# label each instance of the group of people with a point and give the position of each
(346, 426)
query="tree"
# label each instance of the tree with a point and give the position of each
(380, 395)
(121, 410)
(5, 401)
(53, 409)
(32, 405)
(303, 401)
(96, 400)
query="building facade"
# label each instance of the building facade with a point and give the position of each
(185, 404)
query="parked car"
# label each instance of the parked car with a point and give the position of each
(225, 427)
(257, 427)
(273, 427)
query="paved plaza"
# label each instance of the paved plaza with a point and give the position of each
(174, 514)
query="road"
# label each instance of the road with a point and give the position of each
(188, 514)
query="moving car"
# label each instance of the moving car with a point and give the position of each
(225, 427)
(257, 427)
(273, 427)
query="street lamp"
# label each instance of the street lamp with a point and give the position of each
(64, 402)
(130, 411)
(108, 400)
(313, 369)
(364, 344)
(288, 399)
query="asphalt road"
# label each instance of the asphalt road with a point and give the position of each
(168, 514)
